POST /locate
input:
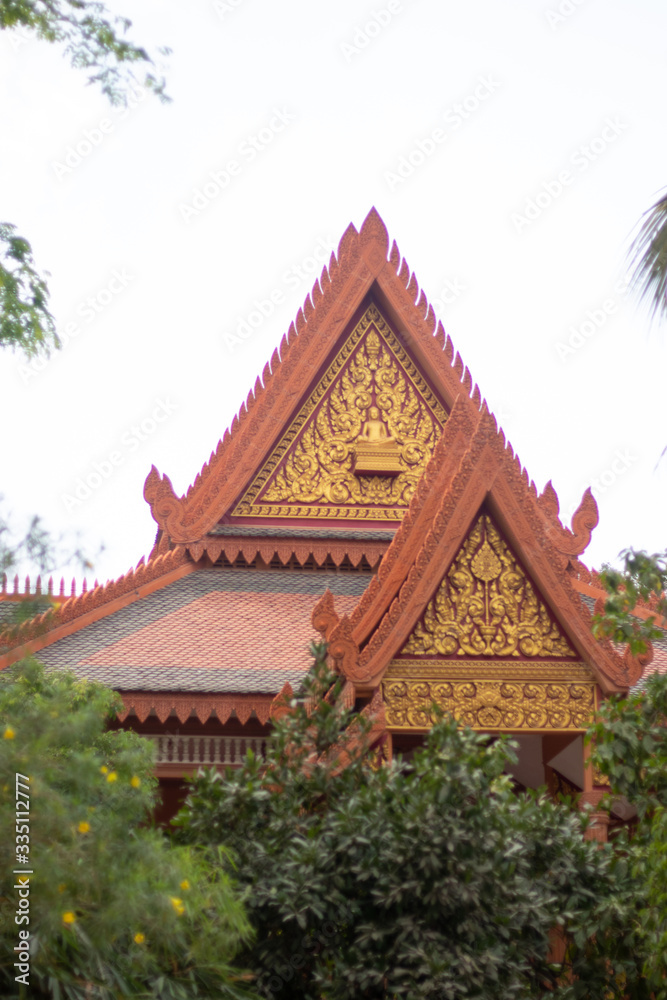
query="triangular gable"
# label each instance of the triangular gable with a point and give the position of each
(485, 475)
(487, 606)
(365, 272)
(360, 442)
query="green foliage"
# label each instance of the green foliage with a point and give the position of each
(25, 320)
(630, 747)
(648, 257)
(92, 38)
(114, 909)
(426, 878)
(644, 576)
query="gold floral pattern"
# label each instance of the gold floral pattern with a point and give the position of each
(490, 704)
(311, 472)
(487, 606)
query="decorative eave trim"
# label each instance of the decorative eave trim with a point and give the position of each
(363, 259)
(221, 706)
(288, 549)
(95, 604)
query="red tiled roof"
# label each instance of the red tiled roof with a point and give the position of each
(221, 630)
(658, 664)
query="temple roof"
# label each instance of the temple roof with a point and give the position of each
(214, 630)
(473, 470)
(365, 315)
(296, 499)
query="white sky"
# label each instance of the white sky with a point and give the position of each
(509, 291)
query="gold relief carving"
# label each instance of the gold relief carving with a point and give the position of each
(490, 704)
(362, 440)
(514, 670)
(487, 606)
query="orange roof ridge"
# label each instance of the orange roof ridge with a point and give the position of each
(73, 614)
(363, 260)
(488, 472)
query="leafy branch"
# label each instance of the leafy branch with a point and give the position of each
(648, 258)
(643, 578)
(93, 40)
(25, 320)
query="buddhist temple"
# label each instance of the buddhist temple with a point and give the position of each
(364, 495)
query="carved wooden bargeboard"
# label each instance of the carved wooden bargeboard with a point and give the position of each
(488, 650)
(311, 473)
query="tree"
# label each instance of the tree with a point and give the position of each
(642, 579)
(424, 878)
(648, 258)
(112, 909)
(631, 749)
(25, 320)
(94, 40)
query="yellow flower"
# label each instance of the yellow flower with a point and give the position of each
(111, 776)
(178, 905)
(185, 885)
(83, 827)
(139, 938)
(9, 733)
(62, 887)
(69, 917)
(135, 782)
(104, 770)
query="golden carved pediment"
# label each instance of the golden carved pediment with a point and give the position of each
(486, 605)
(503, 696)
(360, 442)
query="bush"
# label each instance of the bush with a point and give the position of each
(114, 909)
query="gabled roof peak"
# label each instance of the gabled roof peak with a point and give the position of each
(363, 261)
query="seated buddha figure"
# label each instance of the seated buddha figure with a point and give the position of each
(377, 451)
(374, 430)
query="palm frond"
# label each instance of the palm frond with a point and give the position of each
(648, 259)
